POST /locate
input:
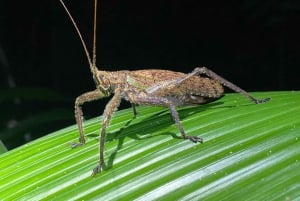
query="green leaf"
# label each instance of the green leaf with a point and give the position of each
(3, 149)
(250, 152)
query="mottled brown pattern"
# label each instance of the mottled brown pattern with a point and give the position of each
(154, 76)
(182, 88)
(153, 87)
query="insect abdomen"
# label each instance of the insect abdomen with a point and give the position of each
(206, 87)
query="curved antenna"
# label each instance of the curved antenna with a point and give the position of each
(94, 38)
(91, 63)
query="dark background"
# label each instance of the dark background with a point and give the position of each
(254, 44)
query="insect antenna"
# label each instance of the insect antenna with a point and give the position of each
(92, 63)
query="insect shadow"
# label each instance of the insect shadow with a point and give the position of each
(162, 119)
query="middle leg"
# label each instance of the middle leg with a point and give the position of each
(145, 99)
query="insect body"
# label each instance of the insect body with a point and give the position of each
(149, 87)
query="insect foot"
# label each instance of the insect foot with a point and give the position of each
(97, 170)
(76, 144)
(262, 100)
(194, 139)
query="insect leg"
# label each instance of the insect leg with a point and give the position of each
(109, 109)
(175, 116)
(223, 81)
(134, 109)
(80, 100)
(145, 99)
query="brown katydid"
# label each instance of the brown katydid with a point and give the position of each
(148, 87)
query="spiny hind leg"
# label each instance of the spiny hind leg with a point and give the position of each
(223, 81)
(80, 100)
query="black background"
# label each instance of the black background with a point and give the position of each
(254, 44)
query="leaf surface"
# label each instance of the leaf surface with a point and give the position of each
(250, 152)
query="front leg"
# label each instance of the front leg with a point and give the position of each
(142, 98)
(80, 100)
(109, 109)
